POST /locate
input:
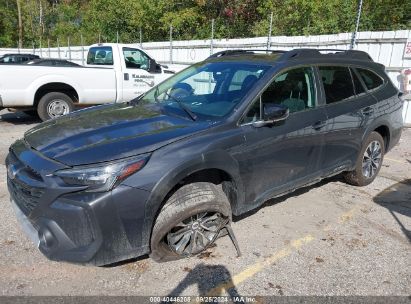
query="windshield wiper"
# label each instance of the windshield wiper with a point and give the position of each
(182, 106)
(135, 101)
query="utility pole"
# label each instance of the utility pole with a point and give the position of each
(357, 23)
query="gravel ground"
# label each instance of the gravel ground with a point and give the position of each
(327, 239)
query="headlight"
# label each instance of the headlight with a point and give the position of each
(102, 177)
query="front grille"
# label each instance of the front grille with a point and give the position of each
(26, 197)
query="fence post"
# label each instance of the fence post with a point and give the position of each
(357, 23)
(41, 51)
(141, 38)
(171, 44)
(34, 50)
(58, 48)
(99, 37)
(18, 46)
(82, 49)
(69, 49)
(48, 46)
(212, 38)
(117, 37)
(269, 32)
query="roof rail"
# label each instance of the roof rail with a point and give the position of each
(300, 53)
(309, 53)
(243, 51)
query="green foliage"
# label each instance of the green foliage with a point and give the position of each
(8, 23)
(191, 19)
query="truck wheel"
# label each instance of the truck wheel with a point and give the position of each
(189, 222)
(369, 161)
(54, 105)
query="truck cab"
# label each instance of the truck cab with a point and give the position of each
(113, 73)
(136, 71)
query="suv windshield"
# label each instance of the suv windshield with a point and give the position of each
(209, 90)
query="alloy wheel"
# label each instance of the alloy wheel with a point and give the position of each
(195, 233)
(372, 159)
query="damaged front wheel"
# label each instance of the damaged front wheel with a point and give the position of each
(190, 221)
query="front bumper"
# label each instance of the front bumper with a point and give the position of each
(78, 227)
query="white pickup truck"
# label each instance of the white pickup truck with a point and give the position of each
(113, 73)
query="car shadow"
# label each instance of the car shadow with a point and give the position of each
(211, 280)
(282, 198)
(19, 118)
(397, 199)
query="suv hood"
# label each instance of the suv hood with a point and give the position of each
(109, 132)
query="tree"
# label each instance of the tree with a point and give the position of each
(31, 21)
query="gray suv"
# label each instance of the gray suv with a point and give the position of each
(164, 174)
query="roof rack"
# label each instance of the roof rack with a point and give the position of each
(243, 51)
(301, 53)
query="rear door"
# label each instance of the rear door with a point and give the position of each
(288, 154)
(349, 109)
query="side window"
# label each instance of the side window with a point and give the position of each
(102, 55)
(293, 88)
(359, 88)
(337, 83)
(370, 79)
(135, 59)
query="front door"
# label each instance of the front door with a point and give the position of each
(287, 154)
(136, 76)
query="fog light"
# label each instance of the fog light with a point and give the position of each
(46, 238)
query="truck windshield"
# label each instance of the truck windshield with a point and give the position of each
(209, 90)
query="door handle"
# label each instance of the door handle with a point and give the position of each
(319, 125)
(367, 111)
(126, 77)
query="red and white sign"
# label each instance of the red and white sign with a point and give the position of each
(407, 49)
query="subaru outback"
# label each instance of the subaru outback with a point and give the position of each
(165, 173)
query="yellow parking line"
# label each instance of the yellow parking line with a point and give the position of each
(395, 160)
(261, 265)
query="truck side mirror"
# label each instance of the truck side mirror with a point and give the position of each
(153, 66)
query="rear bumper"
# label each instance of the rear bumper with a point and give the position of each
(395, 138)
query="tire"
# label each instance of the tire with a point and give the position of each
(54, 104)
(359, 176)
(189, 203)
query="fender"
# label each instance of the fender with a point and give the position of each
(217, 159)
(53, 78)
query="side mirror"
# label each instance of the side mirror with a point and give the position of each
(272, 113)
(153, 66)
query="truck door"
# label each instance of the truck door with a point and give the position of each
(137, 78)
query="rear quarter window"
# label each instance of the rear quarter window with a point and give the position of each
(371, 79)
